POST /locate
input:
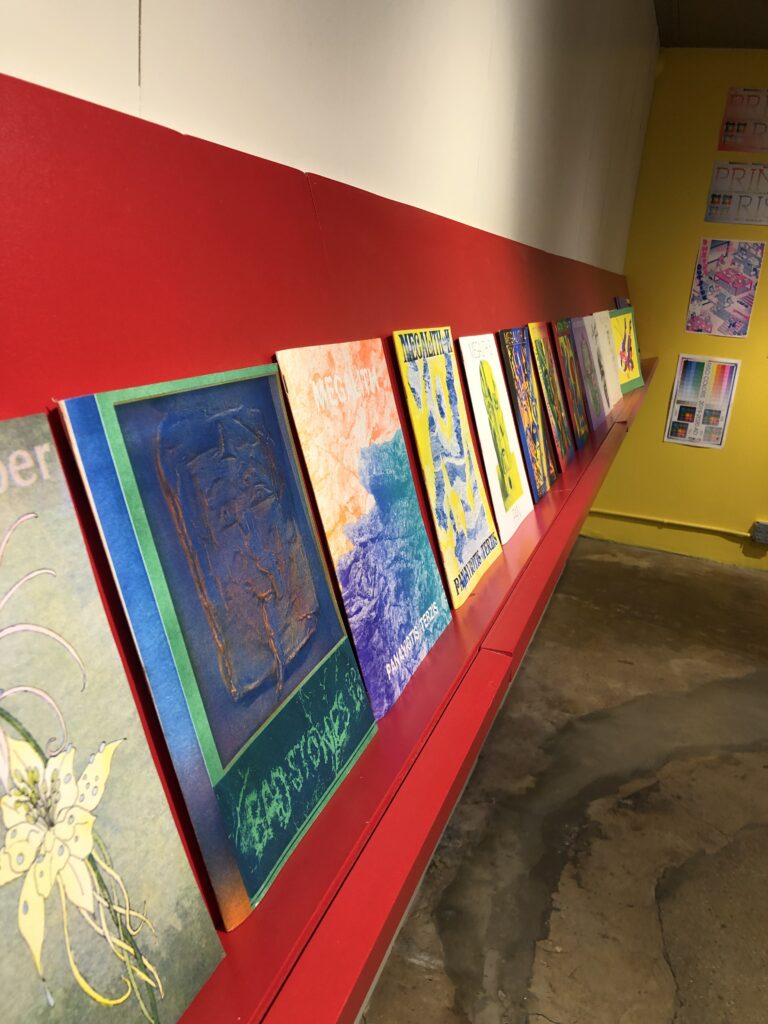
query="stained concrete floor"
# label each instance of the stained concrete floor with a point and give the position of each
(607, 861)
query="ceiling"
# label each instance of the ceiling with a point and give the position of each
(727, 23)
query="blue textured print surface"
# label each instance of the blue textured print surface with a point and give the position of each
(392, 592)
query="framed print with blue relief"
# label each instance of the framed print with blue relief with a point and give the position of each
(197, 491)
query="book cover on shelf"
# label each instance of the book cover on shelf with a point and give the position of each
(544, 357)
(197, 492)
(627, 350)
(593, 391)
(99, 910)
(598, 358)
(574, 393)
(466, 535)
(341, 400)
(609, 360)
(529, 410)
(499, 445)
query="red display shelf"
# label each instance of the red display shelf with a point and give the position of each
(316, 941)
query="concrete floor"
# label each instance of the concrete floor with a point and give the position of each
(607, 862)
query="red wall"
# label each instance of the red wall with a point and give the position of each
(131, 254)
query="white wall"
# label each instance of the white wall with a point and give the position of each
(523, 117)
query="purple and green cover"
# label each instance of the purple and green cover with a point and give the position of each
(198, 496)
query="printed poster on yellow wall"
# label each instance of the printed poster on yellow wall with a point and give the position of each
(745, 121)
(459, 505)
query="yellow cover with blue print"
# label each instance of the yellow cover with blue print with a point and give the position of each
(460, 510)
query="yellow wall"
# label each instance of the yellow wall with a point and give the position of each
(728, 488)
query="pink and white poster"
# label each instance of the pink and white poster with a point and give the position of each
(723, 290)
(745, 121)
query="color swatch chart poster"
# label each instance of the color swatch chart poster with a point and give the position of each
(701, 401)
(724, 285)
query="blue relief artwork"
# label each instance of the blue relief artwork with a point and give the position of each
(217, 479)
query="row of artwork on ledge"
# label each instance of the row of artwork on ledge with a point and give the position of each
(265, 696)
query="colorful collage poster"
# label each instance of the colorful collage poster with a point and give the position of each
(544, 357)
(574, 394)
(343, 408)
(529, 410)
(738, 194)
(745, 121)
(466, 536)
(724, 285)
(702, 399)
(589, 373)
(627, 351)
(499, 446)
(100, 914)
(608, 360)
(198, 495)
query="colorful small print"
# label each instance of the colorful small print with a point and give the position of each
(687, 413)
(710, 417)
(541, 345)
(529, 410)
(574, 393)
(679, 430)
(602, 336)
(627, 351)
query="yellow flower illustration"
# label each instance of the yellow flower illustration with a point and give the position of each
(50, 839)
(49, 821)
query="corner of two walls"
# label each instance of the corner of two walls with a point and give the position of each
(718, 492)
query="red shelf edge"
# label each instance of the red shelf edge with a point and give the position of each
(340, 964)
(535, 584)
